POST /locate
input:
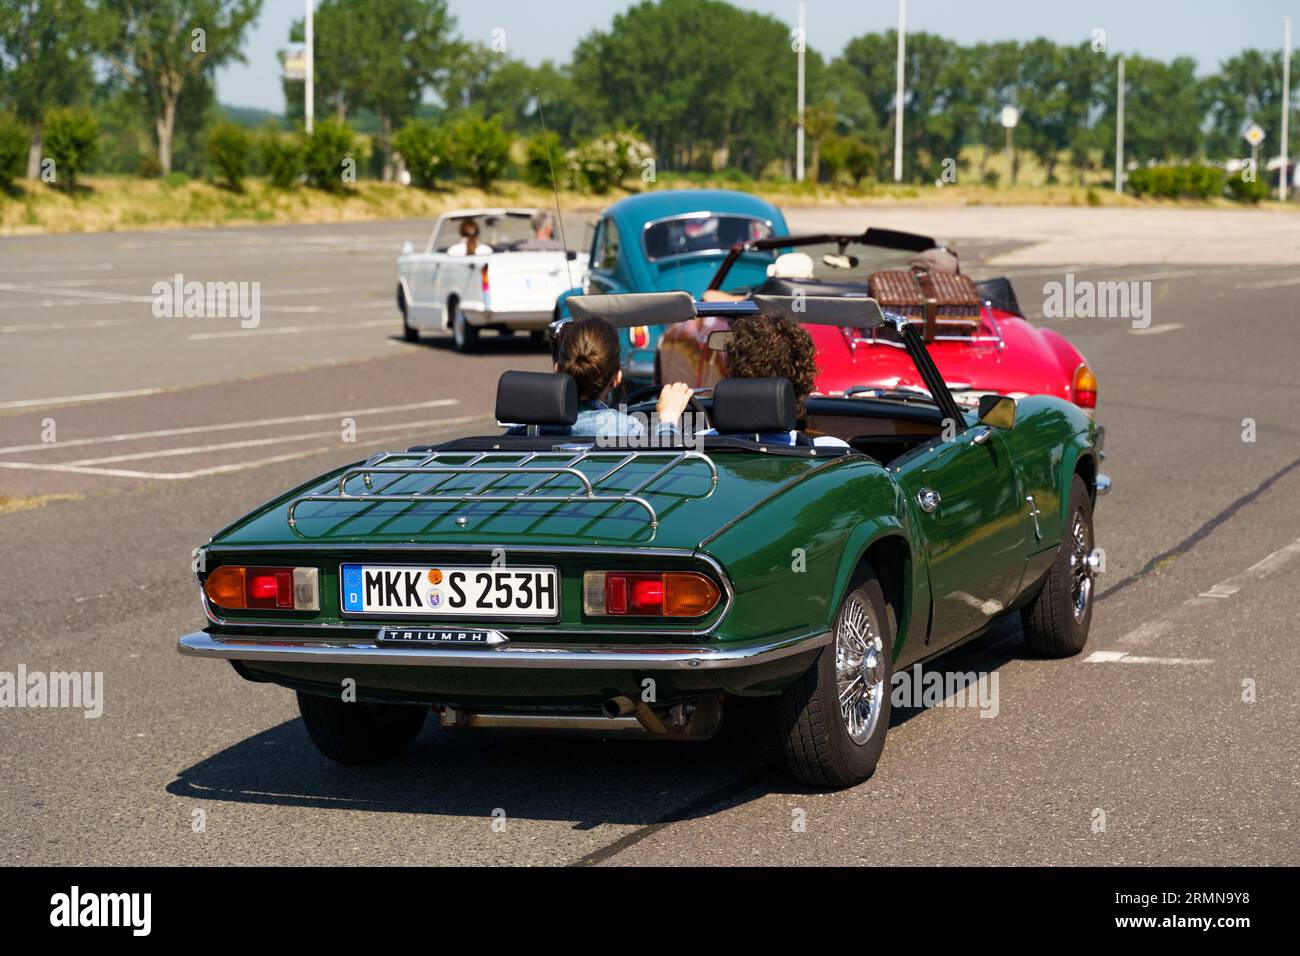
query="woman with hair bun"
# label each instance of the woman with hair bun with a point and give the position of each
(588, 350)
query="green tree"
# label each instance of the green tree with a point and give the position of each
(480, 148)
(229, 149)
(426, 151)
(14, 138)
(45, 62)
(657, 68)
(1248, 89)
(381, 55)
(328, 155)
(71, 139)
(161, 48)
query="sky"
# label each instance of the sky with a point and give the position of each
(537, 30)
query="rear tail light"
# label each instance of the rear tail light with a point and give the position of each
(485, 277)
(639, 335)
(648, 594)
(1085, 387)
(280, 589)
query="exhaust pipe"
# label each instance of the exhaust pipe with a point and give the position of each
(625, 706)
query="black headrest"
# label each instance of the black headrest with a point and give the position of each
(753, 405)
(537, 398)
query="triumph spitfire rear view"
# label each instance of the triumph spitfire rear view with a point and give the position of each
(524, 581)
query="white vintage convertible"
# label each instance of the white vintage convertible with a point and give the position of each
(509, 283)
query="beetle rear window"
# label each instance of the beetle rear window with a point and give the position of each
(685, 235)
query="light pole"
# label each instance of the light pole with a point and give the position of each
(798, 142)
(1286, 105)
(1010, 117)
(309, 91)
(1119, 132)
(898, 94)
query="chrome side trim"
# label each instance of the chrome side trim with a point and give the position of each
(637, 657)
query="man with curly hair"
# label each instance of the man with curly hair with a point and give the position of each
(775, 346)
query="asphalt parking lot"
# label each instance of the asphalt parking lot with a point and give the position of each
(164, 430)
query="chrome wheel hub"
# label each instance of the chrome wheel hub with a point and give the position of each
(859, 669)
(1082, 565)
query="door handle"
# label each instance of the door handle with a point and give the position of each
(980, 434)
(928, 499)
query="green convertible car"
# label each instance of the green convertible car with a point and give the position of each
(540, 581)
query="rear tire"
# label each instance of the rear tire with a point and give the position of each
(360, 733)
(409, 334)
(464, 337)
(1056, 622)
(820, 747)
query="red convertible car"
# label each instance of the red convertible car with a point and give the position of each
(975, 331)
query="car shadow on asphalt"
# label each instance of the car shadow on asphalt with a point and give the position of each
(584, 781)
(489, 343)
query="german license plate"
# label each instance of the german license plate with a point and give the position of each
(450, 591)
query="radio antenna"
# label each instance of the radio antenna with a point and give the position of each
(555, 187)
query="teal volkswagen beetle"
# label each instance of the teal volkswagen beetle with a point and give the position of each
(672, 239)
(539, 581)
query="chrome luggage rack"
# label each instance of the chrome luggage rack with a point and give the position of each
(586, 489)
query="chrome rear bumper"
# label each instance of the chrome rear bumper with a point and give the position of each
(638, 657)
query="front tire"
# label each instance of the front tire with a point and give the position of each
(464, 337)
(1056, 622)
(360, 733)
(833, 719)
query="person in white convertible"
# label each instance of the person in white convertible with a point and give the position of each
(469, 244)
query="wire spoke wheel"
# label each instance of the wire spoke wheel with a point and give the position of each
(1081, 564)
(859, 669)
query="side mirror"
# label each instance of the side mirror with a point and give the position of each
(570, 255)
(407, 248)
(997, 411)
(840, 261)
(720, 340)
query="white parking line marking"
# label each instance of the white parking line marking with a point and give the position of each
(1267, 284)
(65, 399)
(1160, 329)
(247, 443)
(292, 329)
(60, 268)
(64, 326)
(198, 429)
(1220, 591)
(1148, 632)
(215, 469)
(1123, 657)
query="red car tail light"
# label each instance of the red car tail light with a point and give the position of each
(1085, 387)
(281, 589)
(639, 336)
(485, 277)
(648, 593)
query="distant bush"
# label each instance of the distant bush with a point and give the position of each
(15, 140)
(330, 156)
(229, 148)
(426, 151)
(849, 156)
(149, 167)
(603, 162)
(542, 154)
(480, 148)
(1176, 182)
(282, 159)
(1092, 197)
(70, 138)
(1242, 191)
